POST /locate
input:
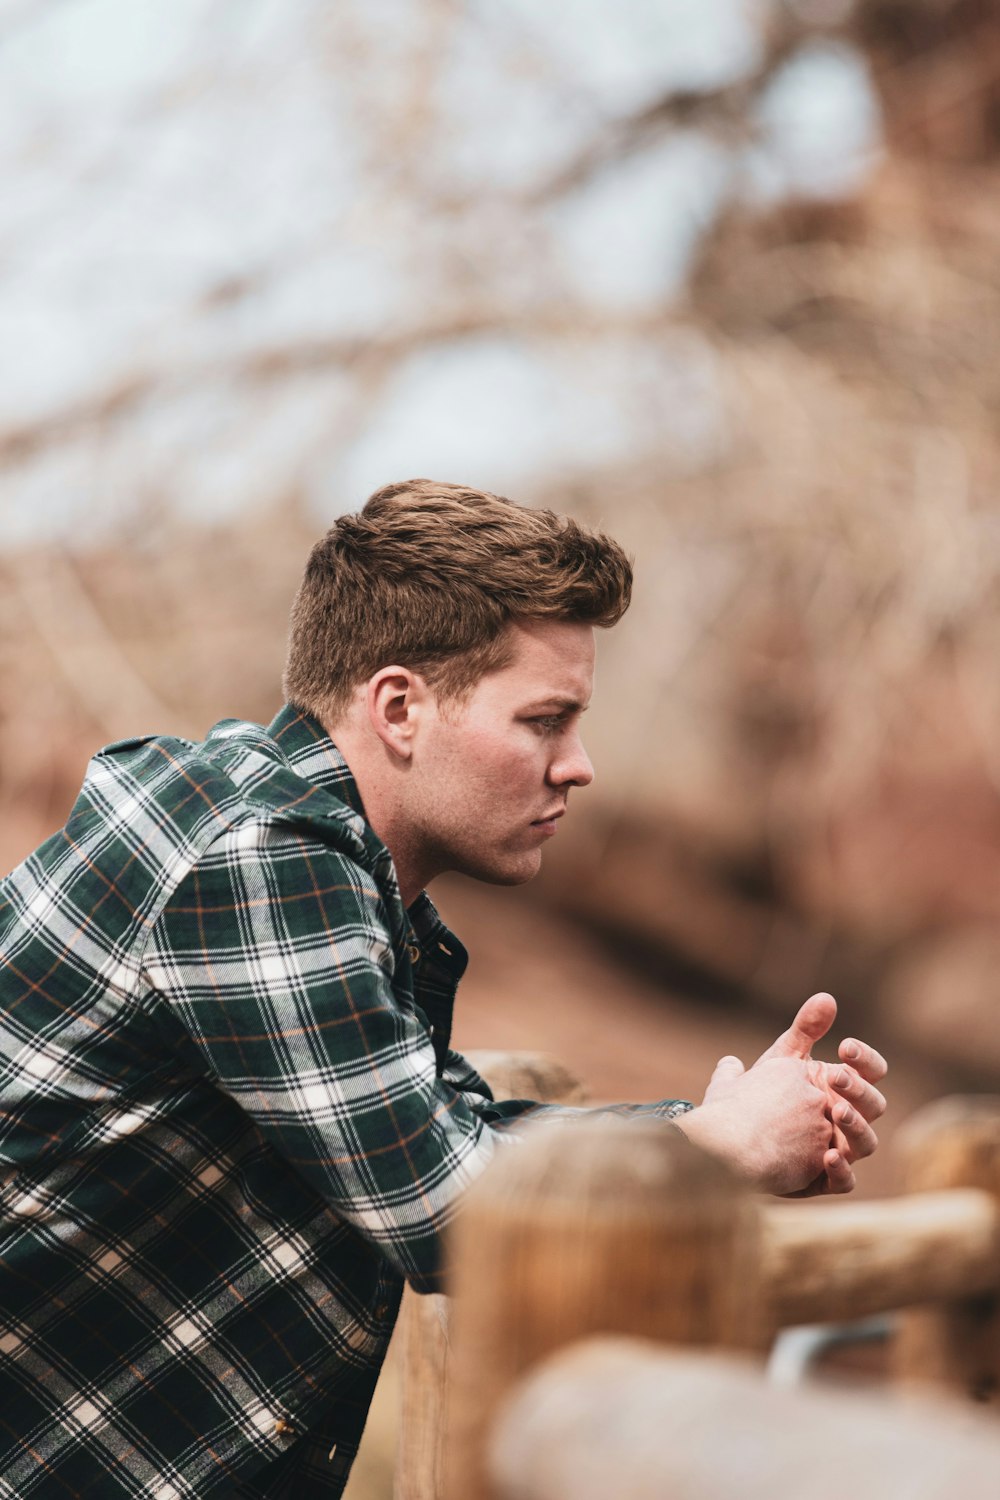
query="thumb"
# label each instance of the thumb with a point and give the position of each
(813, 1020)
(727, 1070)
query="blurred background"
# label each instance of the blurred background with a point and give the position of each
(720, 276)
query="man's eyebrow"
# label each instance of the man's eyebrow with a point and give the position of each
(557, 701)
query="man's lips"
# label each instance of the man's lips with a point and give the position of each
(548, 818)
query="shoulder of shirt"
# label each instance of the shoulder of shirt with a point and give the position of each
(237, 775)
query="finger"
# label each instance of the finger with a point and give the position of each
(728, 1067)
(839, 1177)
(836, 1177)
(838, 1140)
(869, 1063)
(854, 1129)
(848, 1085)
(812, 1022)
(727, 1070)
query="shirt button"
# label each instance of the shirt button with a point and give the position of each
(414, 953)
(283, 1428)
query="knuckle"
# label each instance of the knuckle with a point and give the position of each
(874, 1104)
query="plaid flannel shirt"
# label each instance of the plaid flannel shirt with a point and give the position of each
(231, 1123)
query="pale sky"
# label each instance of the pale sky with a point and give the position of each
(193, 187)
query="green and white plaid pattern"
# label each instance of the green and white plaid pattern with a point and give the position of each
(231, 1124)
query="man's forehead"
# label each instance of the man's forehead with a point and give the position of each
(553, 662)
(567, 641)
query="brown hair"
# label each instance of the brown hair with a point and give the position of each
(429, 576)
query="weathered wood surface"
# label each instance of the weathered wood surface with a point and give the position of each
(423, 1323)
(824, 1264)
(608, 1225)
(423, 1335)
(616, 1419)
(954, 1143)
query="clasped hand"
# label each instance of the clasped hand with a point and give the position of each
(790, 1124)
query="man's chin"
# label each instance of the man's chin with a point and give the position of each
(504, 872)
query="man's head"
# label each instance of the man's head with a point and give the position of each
(430, 576)
(445, 637)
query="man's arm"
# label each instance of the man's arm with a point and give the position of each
(790, 1124)
(501, 1113)
(274, 957)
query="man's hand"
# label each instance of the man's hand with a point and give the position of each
(853, 1101)
(793, 1125)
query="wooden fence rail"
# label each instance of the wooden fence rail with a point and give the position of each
(824, 1265)
(613, 1417)
(622, 1227)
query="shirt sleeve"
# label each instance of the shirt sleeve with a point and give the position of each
(274, 955)
(512, 1112)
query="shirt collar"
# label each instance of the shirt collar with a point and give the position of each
(312, 754)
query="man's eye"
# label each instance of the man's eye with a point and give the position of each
(547, 723)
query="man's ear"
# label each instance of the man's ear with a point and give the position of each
(394, 699)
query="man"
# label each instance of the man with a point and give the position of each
(232, 1123)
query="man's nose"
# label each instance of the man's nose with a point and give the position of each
(572, 766)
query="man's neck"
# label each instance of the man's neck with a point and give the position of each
(377, 783)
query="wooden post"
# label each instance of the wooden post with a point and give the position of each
(954, 1143)
(619, 1417)
(605, 1225)
(423, 1321)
